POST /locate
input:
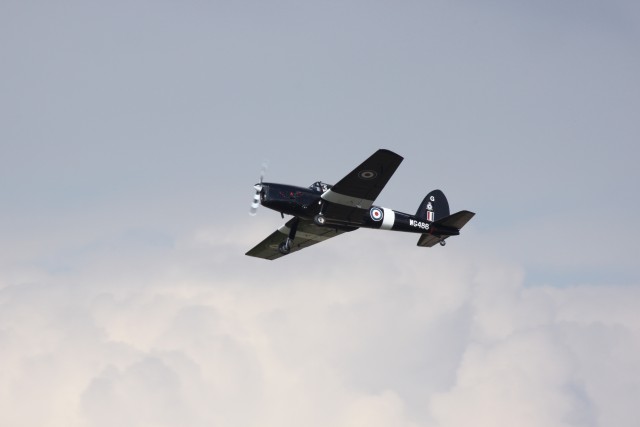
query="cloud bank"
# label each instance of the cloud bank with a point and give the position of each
(437, 338)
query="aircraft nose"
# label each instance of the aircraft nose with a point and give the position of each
(263, 192)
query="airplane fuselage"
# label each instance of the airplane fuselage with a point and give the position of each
(307, 203)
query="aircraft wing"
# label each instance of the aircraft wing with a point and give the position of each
(359, 189)
(307, 234)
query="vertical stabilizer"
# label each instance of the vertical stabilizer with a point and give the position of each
(434, 207)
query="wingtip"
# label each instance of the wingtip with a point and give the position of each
(387, 151)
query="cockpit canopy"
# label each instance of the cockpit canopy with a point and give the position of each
(319, 187)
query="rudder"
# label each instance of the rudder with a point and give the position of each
(434, 207)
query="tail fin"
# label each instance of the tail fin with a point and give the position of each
(434, 207)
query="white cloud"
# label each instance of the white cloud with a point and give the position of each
(386, 336)
(546, 356)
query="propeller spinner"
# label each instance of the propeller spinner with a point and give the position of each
(258, 187)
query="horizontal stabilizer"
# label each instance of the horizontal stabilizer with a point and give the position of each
(457, 220)
(427, 240)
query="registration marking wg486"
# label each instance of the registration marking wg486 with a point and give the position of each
(418, 224)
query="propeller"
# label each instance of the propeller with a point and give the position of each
(258, 187)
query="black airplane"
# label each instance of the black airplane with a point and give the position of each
(322, 211)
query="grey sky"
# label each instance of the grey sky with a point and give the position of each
(131, 134)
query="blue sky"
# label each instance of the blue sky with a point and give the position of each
(131, 134)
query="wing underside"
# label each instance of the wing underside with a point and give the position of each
(307, 234)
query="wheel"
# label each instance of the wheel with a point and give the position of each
(284, 248)
(443, 242)
(319, 220)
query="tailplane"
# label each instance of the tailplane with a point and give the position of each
(457, 220)
(445, 227)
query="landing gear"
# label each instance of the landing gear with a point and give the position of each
(285, 247)
(319, 219)
(443, 242)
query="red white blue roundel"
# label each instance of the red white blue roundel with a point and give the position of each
(376, 214)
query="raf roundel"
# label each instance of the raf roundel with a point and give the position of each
(367, 174)
(376, 214)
